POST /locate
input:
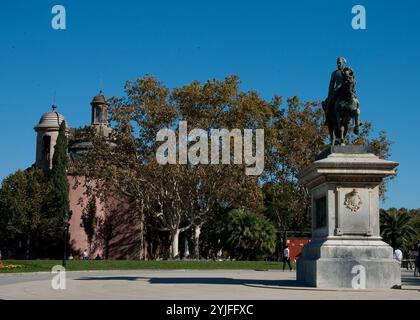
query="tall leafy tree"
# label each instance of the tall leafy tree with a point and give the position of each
(89, 221)
(23, 213)
(60, 192)
(35, 204)
(178, 197)
(58, 200)
(396, 227)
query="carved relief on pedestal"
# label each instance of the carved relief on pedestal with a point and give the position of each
(353, 201)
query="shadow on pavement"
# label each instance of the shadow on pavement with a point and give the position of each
(115, 278)
(258, 283)
(197, 280)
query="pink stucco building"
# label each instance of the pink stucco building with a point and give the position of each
(115, 235)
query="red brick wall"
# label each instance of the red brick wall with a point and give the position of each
(296, 246)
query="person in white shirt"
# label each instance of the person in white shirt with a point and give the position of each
(286, 258)
(85, 255)
(398, 255)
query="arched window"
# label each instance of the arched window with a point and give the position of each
(104, 115)
(46, 147)
(46, 144)
(97, 114)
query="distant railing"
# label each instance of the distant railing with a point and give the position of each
(409, 264)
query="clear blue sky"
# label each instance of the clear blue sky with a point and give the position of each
(276, 47)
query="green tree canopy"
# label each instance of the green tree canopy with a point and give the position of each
(25, 224)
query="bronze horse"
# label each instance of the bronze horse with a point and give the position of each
(345, 108)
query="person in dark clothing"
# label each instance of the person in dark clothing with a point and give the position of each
(417, 263)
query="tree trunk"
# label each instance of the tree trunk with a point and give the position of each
(28, 246)
(146, 251)
(197, 232)
(141, 253)
(106, 249)
(175, 243)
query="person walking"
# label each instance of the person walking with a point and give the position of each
(286, 258)
(398, 256)
(85, 255)
(417, 261)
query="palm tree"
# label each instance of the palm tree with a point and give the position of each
(249, 235)
(396, 228)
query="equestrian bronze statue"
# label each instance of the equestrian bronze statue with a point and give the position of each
(341, 104)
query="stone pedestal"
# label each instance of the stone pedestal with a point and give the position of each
(346, 244)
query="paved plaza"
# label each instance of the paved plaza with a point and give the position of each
(188, 285)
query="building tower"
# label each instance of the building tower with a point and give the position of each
(47, 133)
(100, 114)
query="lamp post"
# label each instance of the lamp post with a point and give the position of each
(66, 226)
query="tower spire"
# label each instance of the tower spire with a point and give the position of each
(54, 105)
